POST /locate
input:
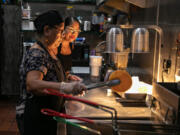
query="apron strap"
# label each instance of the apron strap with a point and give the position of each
(57, 64)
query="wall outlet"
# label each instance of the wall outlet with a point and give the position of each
(166, 65)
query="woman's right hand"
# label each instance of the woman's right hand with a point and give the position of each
(74, 88)
(74, 78)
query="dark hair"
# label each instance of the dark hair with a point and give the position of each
(50, 18)
(70, 20)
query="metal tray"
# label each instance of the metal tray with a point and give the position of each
(135, 96)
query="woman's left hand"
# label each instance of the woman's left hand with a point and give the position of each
(74, 78)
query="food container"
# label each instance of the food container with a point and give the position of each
(95, 67)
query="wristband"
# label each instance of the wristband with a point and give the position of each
(61, 88)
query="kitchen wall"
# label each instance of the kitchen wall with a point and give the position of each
(164, 13)
(1, 35)
(169, 20)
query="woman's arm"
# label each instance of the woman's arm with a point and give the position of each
(36, 84)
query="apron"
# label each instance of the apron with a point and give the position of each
(36, 122)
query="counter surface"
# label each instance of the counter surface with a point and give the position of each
(102, 96)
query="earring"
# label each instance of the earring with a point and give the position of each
(47, 41)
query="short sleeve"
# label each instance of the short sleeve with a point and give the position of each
(36, 60)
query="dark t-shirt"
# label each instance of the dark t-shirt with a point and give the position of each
(66, 60)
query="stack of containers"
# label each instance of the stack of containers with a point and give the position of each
(95, 67)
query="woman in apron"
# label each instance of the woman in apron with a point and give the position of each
(40, 70)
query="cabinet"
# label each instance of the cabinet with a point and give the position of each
(11, 47)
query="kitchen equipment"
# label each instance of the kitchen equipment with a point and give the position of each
(51, 112)
(87, 25)
(125, 80)
(109, 71)
(58, 119)
(101, 84)
(115, 53)
(140, 40)
(120, 59)
(119, 81)
(114, 40)
(112, 111)
(135, 96)
(141, 124)
(165, 104)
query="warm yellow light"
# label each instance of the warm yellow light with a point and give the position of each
(145, 88)
(177, 78)
(139, 86)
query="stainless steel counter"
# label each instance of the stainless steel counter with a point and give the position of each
(134, 120)
(102, 96)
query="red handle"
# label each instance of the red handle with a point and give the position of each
(58, 114)
(56, 93)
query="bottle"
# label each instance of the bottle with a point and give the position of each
(93, 52)
(94, 19)
(101, 23)
(28, 11)
(101, 19)
(86, 53)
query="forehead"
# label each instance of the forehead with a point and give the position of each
(60, 26)
(75, 24)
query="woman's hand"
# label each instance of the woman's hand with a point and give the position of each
(74, 88)
(74, 78)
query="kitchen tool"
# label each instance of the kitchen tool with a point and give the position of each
(93, 104)
(119, 81)
(114, 40)
(124, 78)
(58, 114)
(140, 40)
(101, 84)
(56, 93)
(76, 125)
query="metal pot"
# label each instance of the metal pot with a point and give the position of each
(140, 40)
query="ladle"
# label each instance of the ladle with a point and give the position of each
(119, 81)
